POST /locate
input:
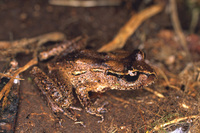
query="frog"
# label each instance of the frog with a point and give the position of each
(84, 71)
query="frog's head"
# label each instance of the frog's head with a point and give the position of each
(137, 73)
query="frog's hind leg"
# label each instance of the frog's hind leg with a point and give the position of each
(56, 109)
(58, 100)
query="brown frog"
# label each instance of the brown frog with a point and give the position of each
(89, 71)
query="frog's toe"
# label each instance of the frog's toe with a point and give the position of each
(94, 111)
(75, 108)
(81, 123)
(102, 109)
(102, 119)
(70, 115)
(97, 112)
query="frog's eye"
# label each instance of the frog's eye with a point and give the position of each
(132, 73)
(138, 55)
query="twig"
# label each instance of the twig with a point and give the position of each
(156, 128)
(54, 36)
(24, 45)
(166, 80)
(7, 87)
(194, 19)
(154, 92)
(177, 27)
(129, 28)
(67, 46)
(9, 76)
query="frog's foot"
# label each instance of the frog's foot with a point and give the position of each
(76, 122)
(71, 114)
(66, 111)
(97, 111)
(101, 109)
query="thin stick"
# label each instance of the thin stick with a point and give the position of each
(130, 27)
(154, 92)
(67, 46)
(167, 81)
(177, 27)
(54, 36)
(27, 45)
(156, 128)
(7, 87)
(9, 76)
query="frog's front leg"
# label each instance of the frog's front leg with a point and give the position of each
(58, 101)
(83, 96)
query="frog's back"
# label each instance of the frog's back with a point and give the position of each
(88, 66)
